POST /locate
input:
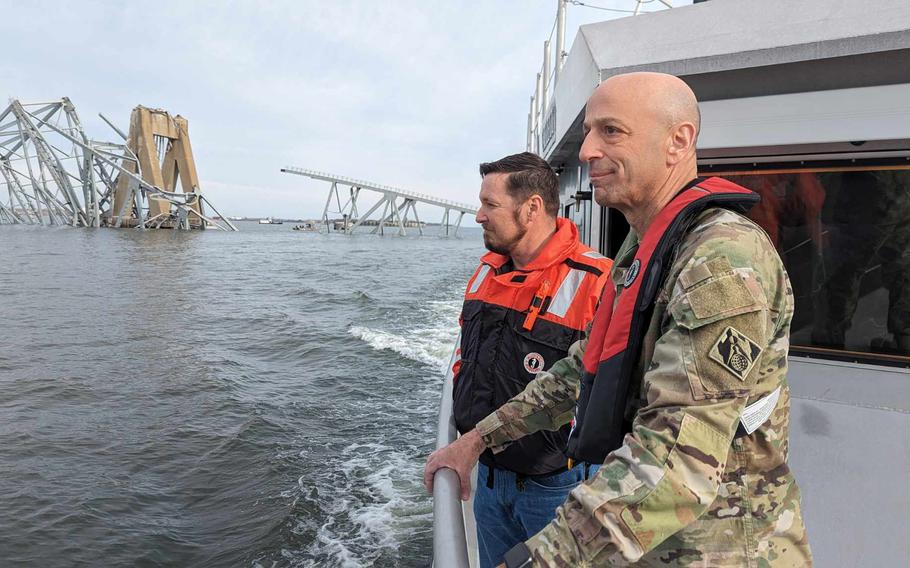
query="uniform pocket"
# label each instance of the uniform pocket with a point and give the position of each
(685, 490)
(723, 358)
(547, 334)
(531, 352)
(472, 331)
(723, 321)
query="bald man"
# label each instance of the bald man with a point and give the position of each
(681, 382)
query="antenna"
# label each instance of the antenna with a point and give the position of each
(639, 3)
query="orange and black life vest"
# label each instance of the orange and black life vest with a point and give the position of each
(516, 323)
(615, 343)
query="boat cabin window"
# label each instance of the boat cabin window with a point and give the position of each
(843, 231)
(581, 214)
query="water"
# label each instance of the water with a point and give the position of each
(262, 398)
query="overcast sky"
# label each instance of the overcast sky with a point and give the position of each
(412, 94)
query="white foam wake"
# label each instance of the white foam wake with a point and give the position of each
(430, 346)
(373, 508)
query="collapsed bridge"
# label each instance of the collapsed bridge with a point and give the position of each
(52, 173)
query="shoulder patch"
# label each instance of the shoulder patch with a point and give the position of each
(632, 273)
(735, 352)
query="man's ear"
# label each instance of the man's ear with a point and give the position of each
(535, 207)
(682, 142)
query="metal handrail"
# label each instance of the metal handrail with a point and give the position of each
(450, 546)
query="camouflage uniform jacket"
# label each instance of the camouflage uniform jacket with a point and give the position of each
(683, 490)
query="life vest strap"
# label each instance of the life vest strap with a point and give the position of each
(616, 338)
(536, 305)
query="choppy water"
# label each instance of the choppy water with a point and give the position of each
(262, 398)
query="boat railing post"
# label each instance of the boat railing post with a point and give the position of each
(537, 112)
(545, 104)
(450, 546)
(560, 38)
(528, 145)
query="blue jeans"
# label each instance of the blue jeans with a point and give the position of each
(508, 514)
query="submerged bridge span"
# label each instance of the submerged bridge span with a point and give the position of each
(397, 205)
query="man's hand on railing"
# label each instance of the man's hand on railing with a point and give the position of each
(460, 455)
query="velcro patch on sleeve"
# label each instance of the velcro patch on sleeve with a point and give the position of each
(715, 299)
(701, 272)
(735, 352)
(725, 294)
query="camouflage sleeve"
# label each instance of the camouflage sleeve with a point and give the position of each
(716, 339)
(547, 403)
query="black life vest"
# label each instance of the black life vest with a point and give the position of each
(516, 323)
(615, 342)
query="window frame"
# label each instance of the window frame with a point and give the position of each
(817, 163)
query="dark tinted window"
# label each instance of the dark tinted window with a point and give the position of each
(844, 235)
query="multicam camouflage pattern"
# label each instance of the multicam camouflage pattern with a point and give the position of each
(683, 490)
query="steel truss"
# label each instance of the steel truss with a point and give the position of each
(396, 204)
(51, 173)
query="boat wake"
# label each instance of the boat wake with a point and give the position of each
(374, 508)
(430, 344)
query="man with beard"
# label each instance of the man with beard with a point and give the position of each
(532, 297)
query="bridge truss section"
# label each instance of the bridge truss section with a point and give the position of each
(398, 206)
(51, 173)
